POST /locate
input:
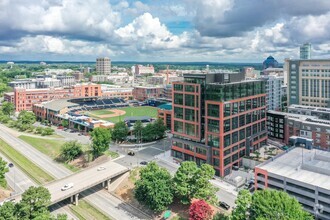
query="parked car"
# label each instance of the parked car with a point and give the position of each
(131, 153)
(224, 205)
(67, 186)
(235, 167)
(101, 168)
(144, 163)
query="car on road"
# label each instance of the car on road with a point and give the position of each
(100, 168)
(144, 163)
(235, 167)
(131, 153)
(224, 205)
(67, 186)
(79, 134)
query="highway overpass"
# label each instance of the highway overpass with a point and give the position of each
(82, 181)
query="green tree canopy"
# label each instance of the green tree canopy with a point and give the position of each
(159, 128)
(100, 141)
(243, 203)
(26, 118)
(34, 203)
(120, 131)
(3, 170)
(137, 129)
(65, 123)
(191, 181)
(273, 204)
(7, 108)
(7, 211)
(154, 188)
(148, 133)
(71, 150)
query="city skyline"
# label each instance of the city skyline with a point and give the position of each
(196, 31)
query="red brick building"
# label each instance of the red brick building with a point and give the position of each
(218, 119)
(24, 99)
(142, 93)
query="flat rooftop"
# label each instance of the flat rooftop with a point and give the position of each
(57, 105)
(314, 170)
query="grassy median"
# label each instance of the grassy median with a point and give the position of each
(85, 211)
(33, 171)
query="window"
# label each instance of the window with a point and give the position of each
(178, 99)
(190, 129)
(178, 112)
(241, 134)
(189, 114)
(189, 88)
(178, 126)
(227, 110)
(178, 144)
(188, 147)
(226, 152)
(227, 125)
(235, 108)
(213, 140)
(190, 100)
(178, 87)
(242, 106)
(213, 110)
(200, 151)
(213, 126)
(227, 161)
(234, 123)
(216, 162)
(177, 154)
(216, 153)
(241, 120)
(227, 140)
(234, 137)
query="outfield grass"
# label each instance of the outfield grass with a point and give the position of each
(131, 111)
(102, 112)
(32, 170)
(85, 211)
(47, 146)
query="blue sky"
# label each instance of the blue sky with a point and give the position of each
(162, 30)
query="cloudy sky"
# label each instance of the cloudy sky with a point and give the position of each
(162, 30)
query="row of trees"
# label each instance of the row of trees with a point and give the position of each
(150, 132)
(34, 205)
(156, 188)
(3, 170)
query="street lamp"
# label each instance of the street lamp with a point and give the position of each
(11, 165)
(317, 210)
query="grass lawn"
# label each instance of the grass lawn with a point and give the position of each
(32, 170)
(132, 111)
(49, 147)
(112, 154)
(102, 112)
(85, 211)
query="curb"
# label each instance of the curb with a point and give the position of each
(137, 145)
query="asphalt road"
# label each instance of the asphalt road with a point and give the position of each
(59, 171)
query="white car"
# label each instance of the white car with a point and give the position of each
(100, 168)
(67, 186)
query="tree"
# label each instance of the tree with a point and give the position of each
(8, 108)
(120, 131)
(191, 182)
(3, 170)
(200, 210)
(137, 129)
(4, 118)
(26, 118)
(159, 128)
(273, 204)
(220, 216)
(7, 211)
(34, 203)
(65, 123)
(243, 203)
(148, 133)
(71, 150)
(100, 141)
(154, 188)
(47, 131)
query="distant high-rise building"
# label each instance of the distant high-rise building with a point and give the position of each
(270, 62)
(103, 66)
(140, 69)
(305, 51)
(308, 82)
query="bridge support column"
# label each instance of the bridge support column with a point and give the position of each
(103, 184)
(71, 199)
(108, 184)
(76, 198)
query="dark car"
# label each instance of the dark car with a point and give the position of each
(224, 205)
(144, 163)
(131, 153)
